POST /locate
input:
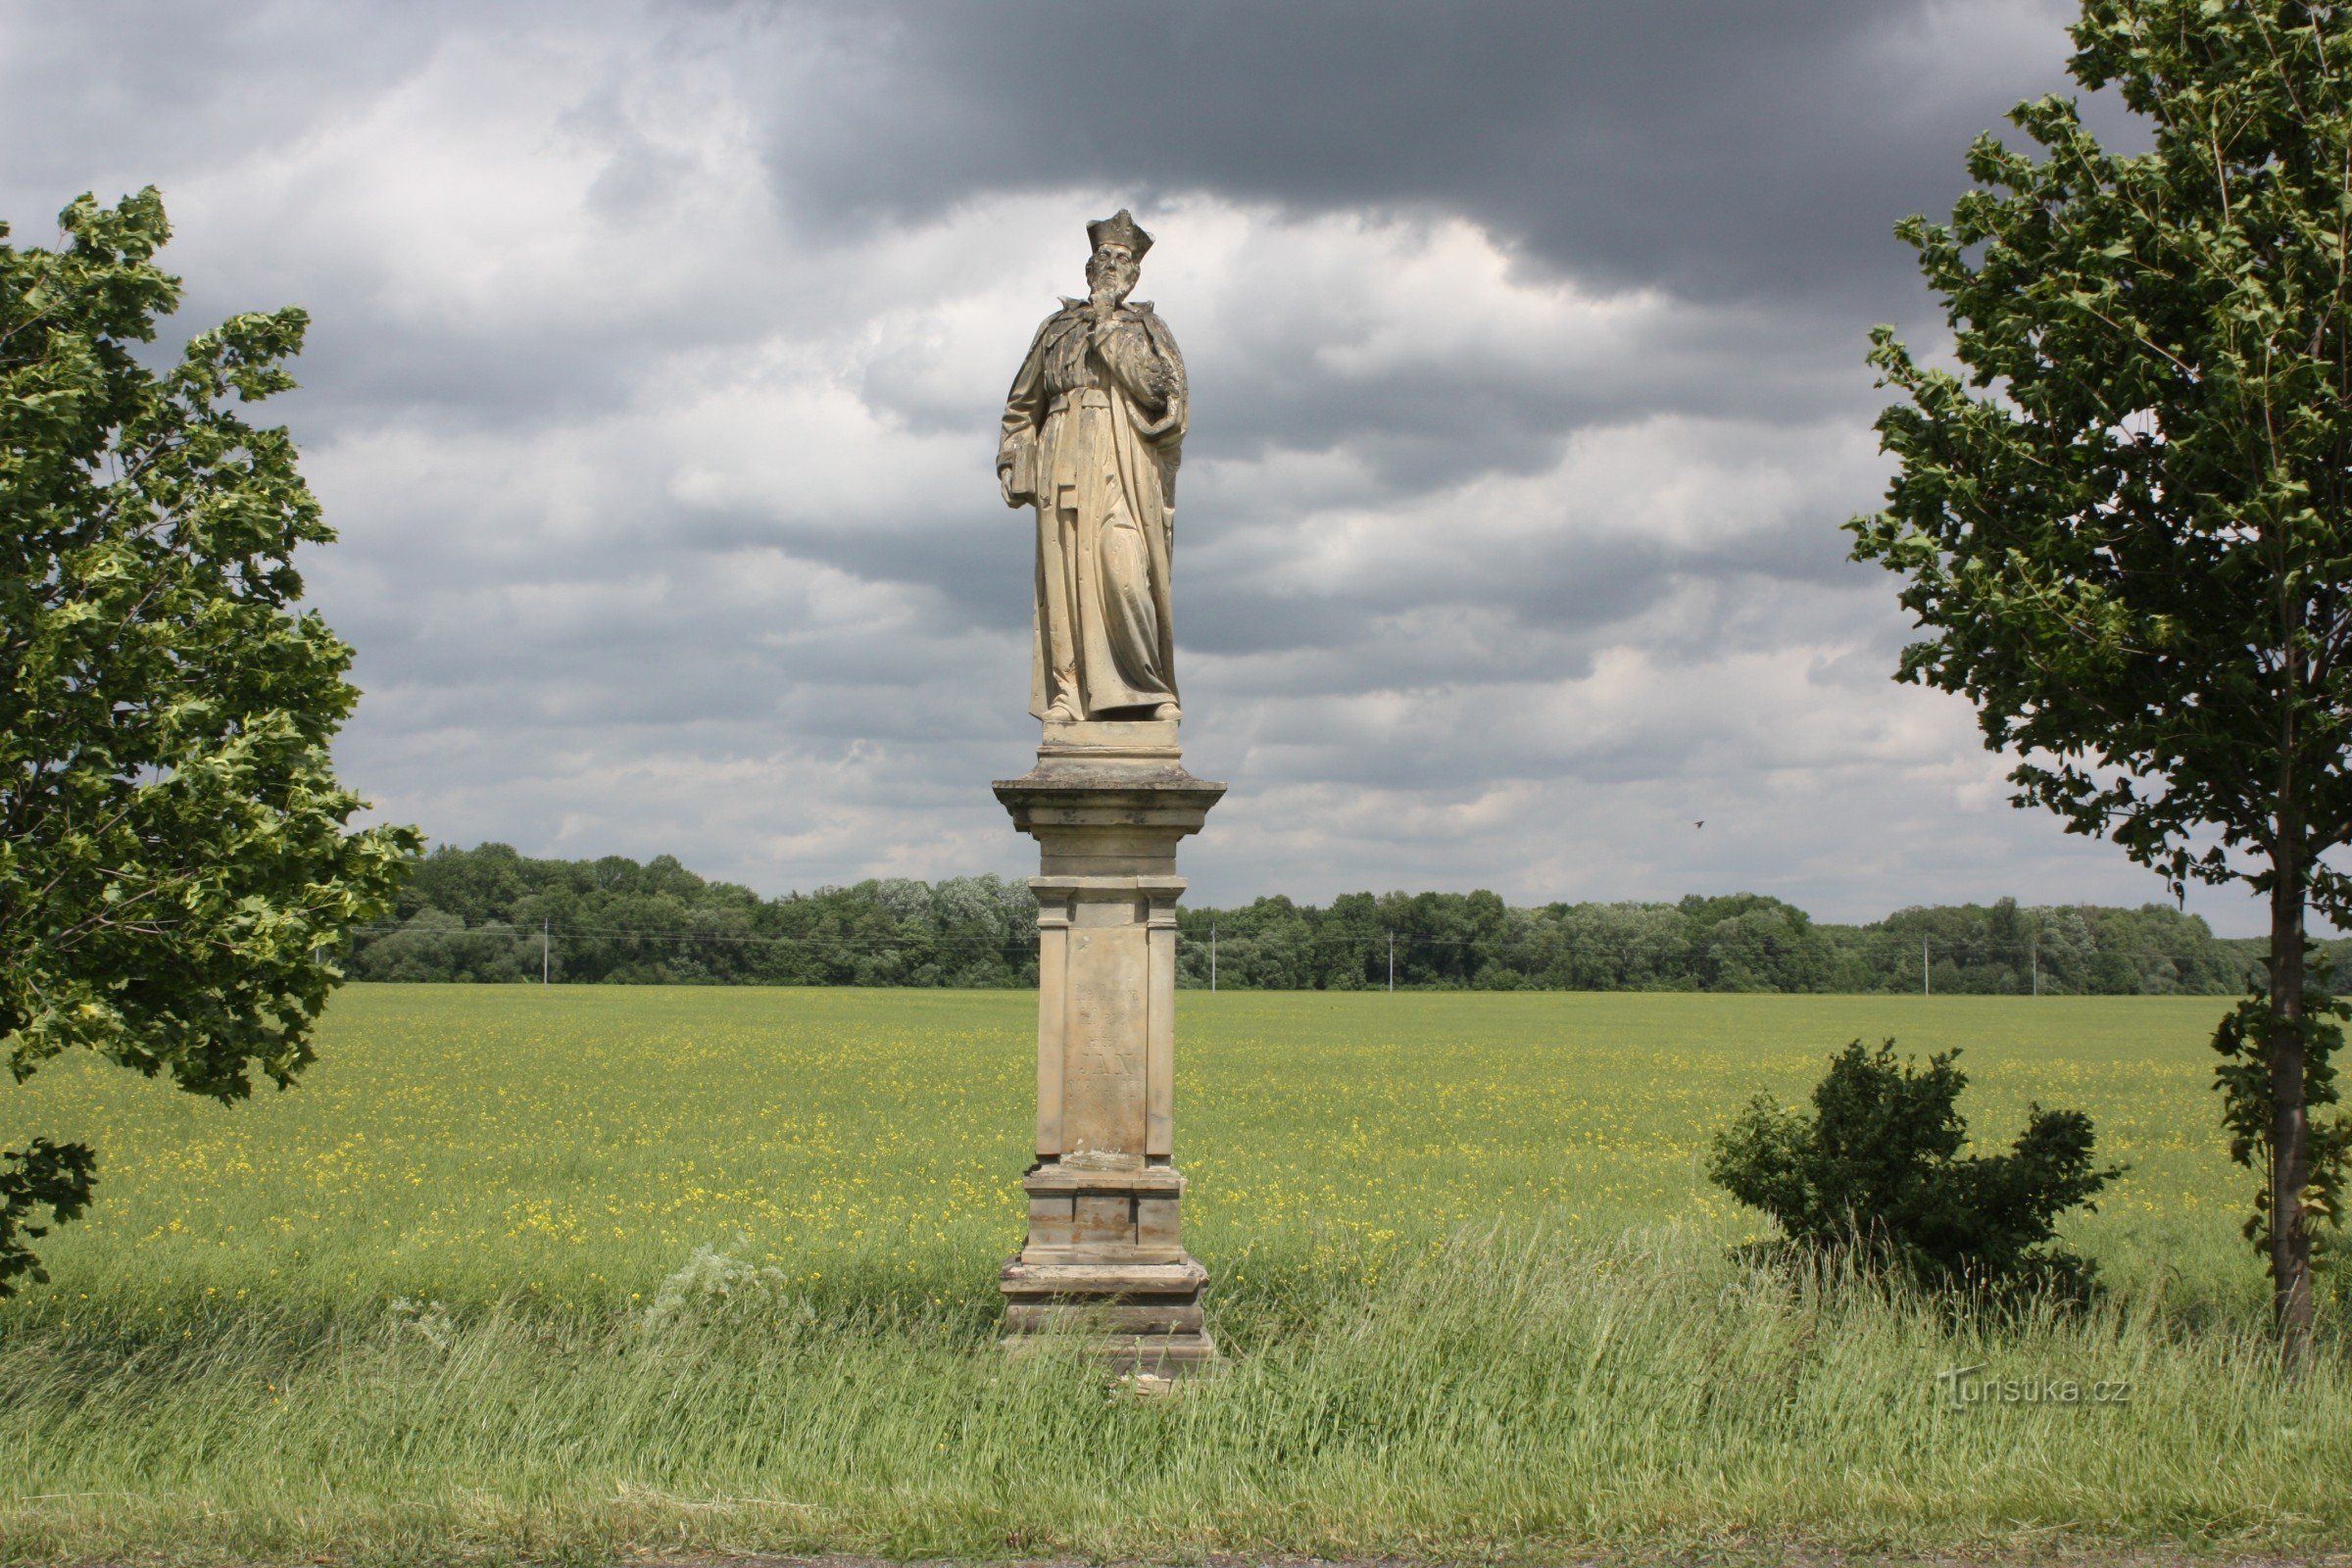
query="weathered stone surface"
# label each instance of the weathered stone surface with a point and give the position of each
(1118, 742)
(1155, 1222)
(1073, 1317)
(1105, 1279)
(1053, 1219)
(1071, 1175)
(1107, 820)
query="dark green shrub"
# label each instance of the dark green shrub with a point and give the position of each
(1878, 1168)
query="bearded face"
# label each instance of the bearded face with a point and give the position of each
(1111, 274)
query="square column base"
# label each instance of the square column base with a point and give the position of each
(1103, 1263)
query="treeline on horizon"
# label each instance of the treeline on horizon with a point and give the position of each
(492, 914)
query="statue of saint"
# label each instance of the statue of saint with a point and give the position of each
(1093, 430)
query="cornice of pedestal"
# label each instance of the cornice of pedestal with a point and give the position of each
(1064, 792)
(1104, 770)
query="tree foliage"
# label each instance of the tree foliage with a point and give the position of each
(174, 849)
(476, 914)
(2244, 1041)
(2125, 522)
(1878, 1168)
(57, 1177)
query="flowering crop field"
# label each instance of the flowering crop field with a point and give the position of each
(577, 1145)
(536, 1272)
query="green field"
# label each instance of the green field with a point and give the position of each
(1477, 1293)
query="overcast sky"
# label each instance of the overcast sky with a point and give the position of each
(657, 352)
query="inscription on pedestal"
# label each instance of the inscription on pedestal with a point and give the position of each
(1103, 1073)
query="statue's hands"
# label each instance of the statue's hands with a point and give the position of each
(1004, 484)
(1170, 426)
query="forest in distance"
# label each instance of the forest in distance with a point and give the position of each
(491, 914)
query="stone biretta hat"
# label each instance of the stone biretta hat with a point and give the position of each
(1118, 229)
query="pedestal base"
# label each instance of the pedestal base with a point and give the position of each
(1142, 1317)
(1104, 1259)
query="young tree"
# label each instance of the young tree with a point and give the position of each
(176, 856)
(2125, 528)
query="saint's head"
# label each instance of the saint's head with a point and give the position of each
(1117, 257)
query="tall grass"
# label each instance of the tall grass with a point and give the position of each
(1506, 1390)
(567, 1277)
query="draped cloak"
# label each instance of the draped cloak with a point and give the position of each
(1103, 422)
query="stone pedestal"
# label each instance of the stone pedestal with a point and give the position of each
(1104, 1256)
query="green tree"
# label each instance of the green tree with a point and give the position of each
(176, 856)
(2126, 525)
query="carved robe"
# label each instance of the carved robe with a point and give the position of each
(1092, 431)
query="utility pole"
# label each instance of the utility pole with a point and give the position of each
(543, 962)
(1925, 989)
(1392, 963)
(1212, 958)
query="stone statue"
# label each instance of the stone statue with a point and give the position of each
(1094, 427)
(1092, 430)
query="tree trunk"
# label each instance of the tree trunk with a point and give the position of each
(2291, 1148)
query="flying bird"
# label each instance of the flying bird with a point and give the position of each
(1701, 823)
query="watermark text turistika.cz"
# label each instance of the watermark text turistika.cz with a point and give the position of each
(1964, 1388)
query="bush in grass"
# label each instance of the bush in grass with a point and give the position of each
(711, 1283)
(1878, 1168)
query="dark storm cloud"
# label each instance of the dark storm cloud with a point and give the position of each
(99, 88)
(1727, 148)
(1718, 150)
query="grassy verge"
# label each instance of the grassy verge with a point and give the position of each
(1505, 1393)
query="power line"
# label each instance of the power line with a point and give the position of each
(548, 929)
